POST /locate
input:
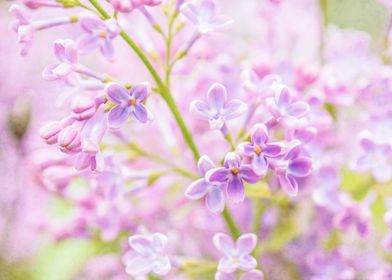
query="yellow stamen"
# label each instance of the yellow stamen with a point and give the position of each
(132, 101)
(73, 19)
(234, 170)
(102, 34)
(257, 150)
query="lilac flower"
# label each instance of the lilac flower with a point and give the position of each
(126, 6)
(91, 136)
(292, 166)
(98, 34)
(249, 275)
(214, 197)
(66, 52)
(25, 28)
(232, 175)
(203, 16)
(259, 149)
(127, 103)
(283, 107)
(217, 110)
(375, 158)
(147, 255)
(354, 215)
(236, 255)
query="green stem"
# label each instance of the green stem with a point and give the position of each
(163, 161)
(231, 224)
(168, 98)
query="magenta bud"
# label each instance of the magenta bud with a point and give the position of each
(50, 132)
(83, 108)
(69, 140)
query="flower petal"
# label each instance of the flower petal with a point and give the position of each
(140, 244)
(298, 109)
(247, 263)
(161, 265)
(234, 109)
(141, 113)
(248, 174)
(235, 189)
(139, 92)
(284, 98)
(87, 43)
(246, 243)
(200, 109)
(217, 175)
(117, 93)
(259, 164)
(204, 164)
(223, 243)
(259, 134)
(118, 115)
(215, 200)
(288, 184)
(138, 265)
(272, 150)
(107, 49)
(197, 189)
(300, 167)
(217, 96)
(252, 275)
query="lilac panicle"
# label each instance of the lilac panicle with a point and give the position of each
(217, 110)
(236, 255)
(214, 197)
(126, 6)
(232, 175)
(203, 17)
(148, 255)
(259, 149)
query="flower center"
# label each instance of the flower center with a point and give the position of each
(234, 170)
(102, 34)
(257, 150)
(132, 101)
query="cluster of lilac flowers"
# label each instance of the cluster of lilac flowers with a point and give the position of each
(291, 154)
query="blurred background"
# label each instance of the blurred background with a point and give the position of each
(26, 102)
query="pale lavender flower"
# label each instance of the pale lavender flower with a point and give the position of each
(353, 214)
(128, 102)
(84, 107)
(249, 275)
(126, 6)
(66, 52)
(148, 255)
(233, 174)
(236, 255)
(217, 110)
(283, 107)
(203, 17)
(214, 197)
(259, 149)
(375, 158)
(98, 34)
(292, 166)
(25, 28)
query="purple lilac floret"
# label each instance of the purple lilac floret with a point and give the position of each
(232, 175)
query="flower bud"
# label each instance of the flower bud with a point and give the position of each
(50, 132)
(69, 140)
(83, 108)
